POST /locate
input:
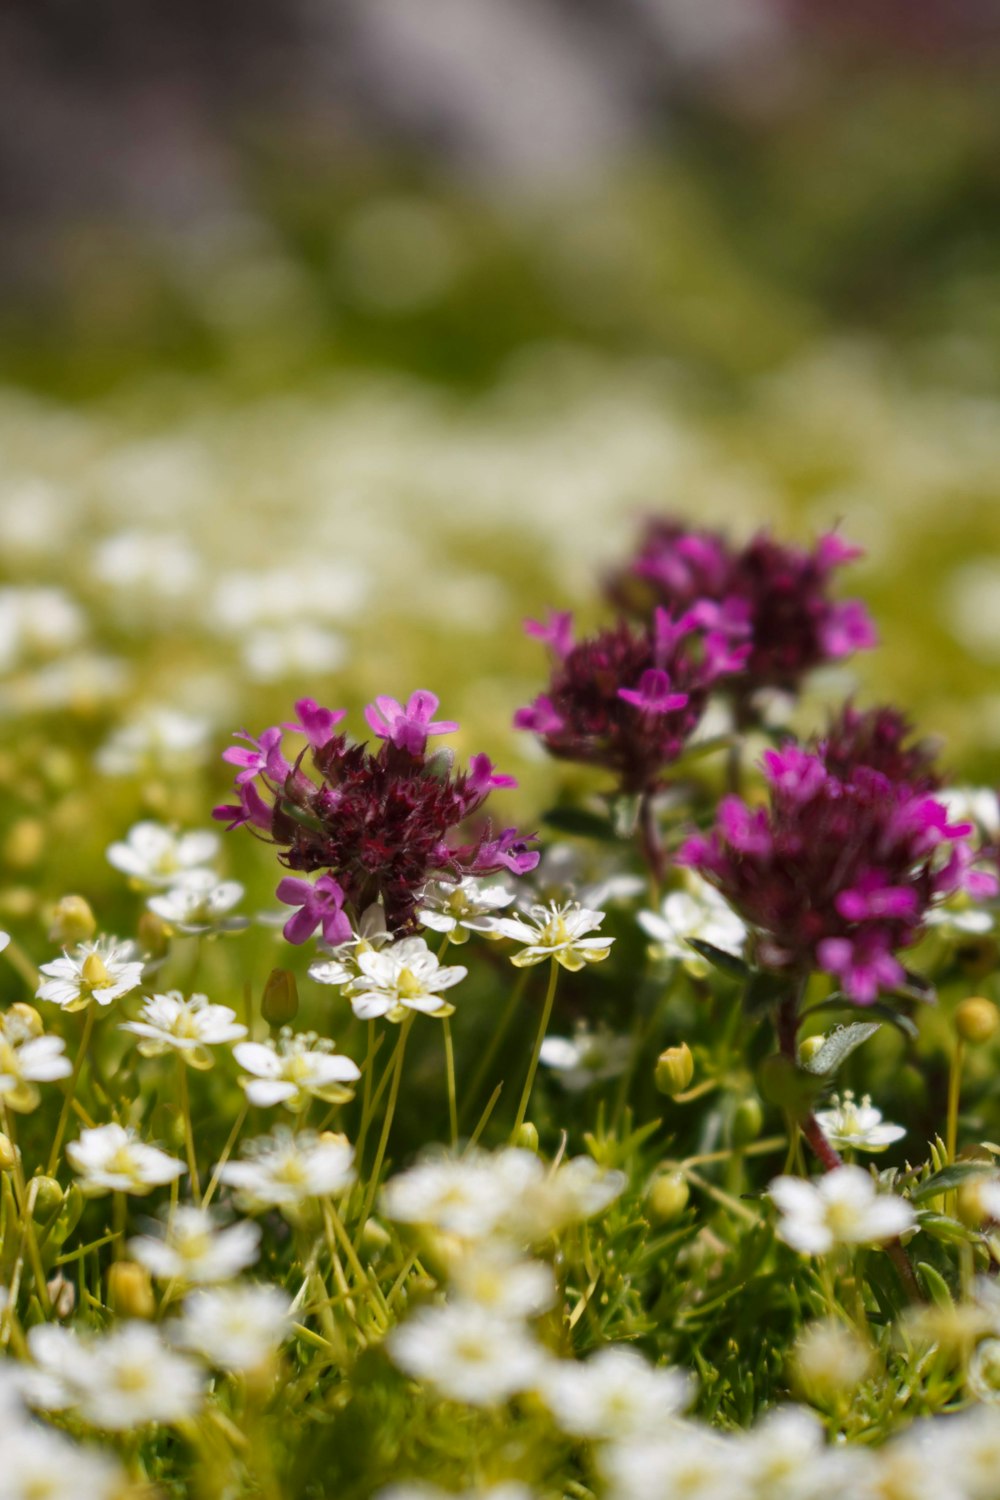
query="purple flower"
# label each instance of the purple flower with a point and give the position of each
(251, 808)
(316, 723)
(407, 728)
(653, 695)
(557, 634)
(321, 906)
(263, 755)
(483, 778)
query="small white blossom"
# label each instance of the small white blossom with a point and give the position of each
(114, 1159)
(459, 907)
(503, 1283)
(234, 1327)
(153, 856)
(4, 940)
(402, 977)
(787, 1458)
(615, 1394)
(857, 1126)
(692, 1462)
(27, 1059)
(298, 649)
(161, 741)
(456, 1194)
(558, 932)
(841, 1208)
(118, 1380)
(697, 912)
(340, 965)
(586, 1058)
(467, 1353)
(39, 1463)
(195, 1250)
(100, 971)
(564, 872)
(171, 1023)
(543, 1202)
(282, 1169)
(294, 1070)
(198, 903)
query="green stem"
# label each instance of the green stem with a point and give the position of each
(184, 1099)
(390, 1110)
(954, 1091)
(74, 1078)
(366, 1098)
(449, 1058)
(529, 1082)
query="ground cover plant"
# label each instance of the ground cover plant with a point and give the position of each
(370, 1131)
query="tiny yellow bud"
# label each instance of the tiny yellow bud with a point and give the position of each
(667, 1197)
(48, 1197)
(976, 1019)
(8, 1155)
(72, 921)
(527, 1137)
(674, 1070)
(748, 1117)
(29, 1022)
(809, 1047)
(24, 843)
(375, 1237)
(279, 1003)
(130, 1291)
(93, 971)
(153, 934)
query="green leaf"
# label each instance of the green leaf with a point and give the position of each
(949, 1178)
(935, 1285)
(948, 1230)
(580, 822)
(878, 1008)
(839, 1045)
(720, 959)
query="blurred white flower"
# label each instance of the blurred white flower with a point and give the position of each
(972, 804)
(234, 1327)
(495, 1278)
(697, 912)
(161, 741)
(298, 650)
(114, 1159)
(405, 976)
(559, 932)
(159, 566)
(171, 1023)
(467, 1353)
(198, 903)
(40, 1462)
(615, 1394)
(282, 1169)
(27, 1060)
(154, 856)
(691, 1460)
(295, 1069)
(100, 972)
(117, 1380)
(195, 1249)
(857, 1126)
(841, 1208)
(36, 622)
(586, 1058)
(459, 907)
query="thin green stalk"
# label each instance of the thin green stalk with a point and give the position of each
(74, 1078)
(366, 1098)
(227, 1152)
(184, 1099)
(390, 1110)
(529, 1082)
(449, 1059)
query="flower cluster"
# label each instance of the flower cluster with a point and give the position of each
(379, 824)
(839, 871)
(628, 699)
(771, 596)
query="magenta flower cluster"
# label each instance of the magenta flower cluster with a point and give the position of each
(772, 597)
(378, 824)
(628, 699)
(838, 871)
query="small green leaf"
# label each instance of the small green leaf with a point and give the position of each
(720, 959)
(839, 1045)
(935, 1285)
(949, 1178)
(878, 1008)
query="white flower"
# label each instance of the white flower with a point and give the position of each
(158, 566)
(36, 622)
(504, 1284)
(692, 1463)
(462, 906)
(984, 1371)
(41, 1464)
(969, 1450)
(234, 1327)
(972, 804)
(341, 964)
(788, 1458)
(586, 1058)
(405, 976)
(118, 1380)
(543, 1202)
(615, 1394)
(27, 1060)
(114, 1159)
(841, 1208)
(417, 1490)
(169, 1023)
(161, 741)
(100, 971)
(4, 940)
(562, 873)
(154, 856)
(467, 1353)
(199, 902)
(297, 649)
(195, 1250)
(960, 917)
(458, 1195)
(558, 932)
(294, 1070)
(857, 1126)
(283, 1169)
(698, 912)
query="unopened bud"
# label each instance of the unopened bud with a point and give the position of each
(62, 1295)
(667, 1197)
(153, 934)
(130, 1291)
(93, 972)
(279, 1004)
(72, 922)
(24, 843)
(976, 1019)
(748, 1117)
(527, 1137)
(8, 1154)
(22, 1022)
(375, 1237)
(828, 1363)
(978, 1200)
(48, 1197)
(809, 1047)
(674, 1070)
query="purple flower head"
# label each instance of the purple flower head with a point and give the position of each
(262, 755)
(880, 738)
(557, 634)
(626, 699)
(316, 723)
(408, 728)
(321, 905)
(838, 871)
(377, 824)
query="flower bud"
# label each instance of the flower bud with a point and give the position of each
(279, 1003)
(8, 1155)
(976, 1019)
(72, 922)
(978, 1200)
(94, 972)
(62, 1295)
(48, 1197)
(828, 1363)
(748, 1117)
(527, 1137)
(674, 1070)
(375, 1237)
(153, 934)
(809, 1047)
(130, 1290)
(24, 843)
(27, 1023)
(667, 1197)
